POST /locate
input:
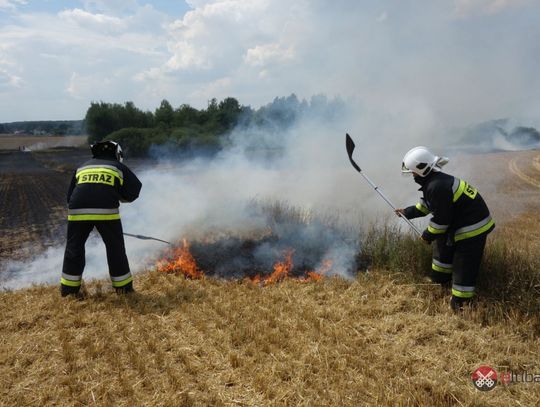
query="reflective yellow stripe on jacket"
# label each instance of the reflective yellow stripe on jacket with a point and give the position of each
(474, 230)
(422, 208)
(437, 229)
(93, 214)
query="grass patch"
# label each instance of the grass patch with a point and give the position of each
(382, 338)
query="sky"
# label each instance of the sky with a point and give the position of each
(454, 62)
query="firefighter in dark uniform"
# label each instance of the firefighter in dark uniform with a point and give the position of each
(458, 227)
(93, 200)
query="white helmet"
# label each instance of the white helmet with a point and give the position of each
(420, 161)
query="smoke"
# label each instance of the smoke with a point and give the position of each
(69, 142)
(304, 166)
(495, 136)
(289, 187)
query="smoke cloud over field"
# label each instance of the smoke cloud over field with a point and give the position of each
(294, 188)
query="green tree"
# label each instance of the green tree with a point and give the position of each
(136, 142)
(185, 115)
(101, 119)
(229, 110)
(164, 114)
(131, 116)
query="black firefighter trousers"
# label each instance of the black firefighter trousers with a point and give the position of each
(74, 256)
(458, 262)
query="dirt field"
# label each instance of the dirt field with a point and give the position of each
(32, 208)
(11, 142)
(33, 185)
(514, 199)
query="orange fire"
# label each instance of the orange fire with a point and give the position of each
(318, 274)
(180, 261)
(282, 269)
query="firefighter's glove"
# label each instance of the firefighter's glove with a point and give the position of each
(400, 212)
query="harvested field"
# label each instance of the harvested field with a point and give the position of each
(12, 142)
(385, 338)
(32, 207)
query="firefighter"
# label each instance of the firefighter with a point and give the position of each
(458, 227)
(93, 200)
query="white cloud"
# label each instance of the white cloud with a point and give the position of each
(262, 55)
(8, 80)
(11, 4)
(219, 87)
(220, 34)
(259, 49)
(464, 8)
(82, 86)
(111, 6)
(94, 22)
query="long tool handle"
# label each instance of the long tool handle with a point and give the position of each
(349, 143)
(146, 238)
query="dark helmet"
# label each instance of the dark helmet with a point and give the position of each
(107, 149)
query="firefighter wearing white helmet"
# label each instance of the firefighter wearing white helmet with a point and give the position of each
(459, 225)
(93, 202)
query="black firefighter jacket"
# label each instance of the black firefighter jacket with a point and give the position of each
(457, 209)
(98, 187)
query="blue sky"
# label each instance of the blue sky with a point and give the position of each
(170, 7)
(453, 61)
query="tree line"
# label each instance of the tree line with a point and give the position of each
(44, 127)
(188, 129)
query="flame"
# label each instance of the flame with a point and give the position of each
(180, 261)
(281, 271)
(321, 271)
(281, 268)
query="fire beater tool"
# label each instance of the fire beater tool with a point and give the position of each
(349, 143)
(146, 238)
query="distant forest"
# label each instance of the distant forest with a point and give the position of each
(45, 127)
(183, 128)
(187, 129)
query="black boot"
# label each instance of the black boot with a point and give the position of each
(457, 303)
(444, 279)
(127, 289)
(66, 290)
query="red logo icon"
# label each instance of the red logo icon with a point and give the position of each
(484, 378)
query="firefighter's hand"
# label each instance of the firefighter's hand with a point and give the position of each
(400, 212)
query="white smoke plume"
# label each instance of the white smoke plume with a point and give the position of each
(305, 166)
